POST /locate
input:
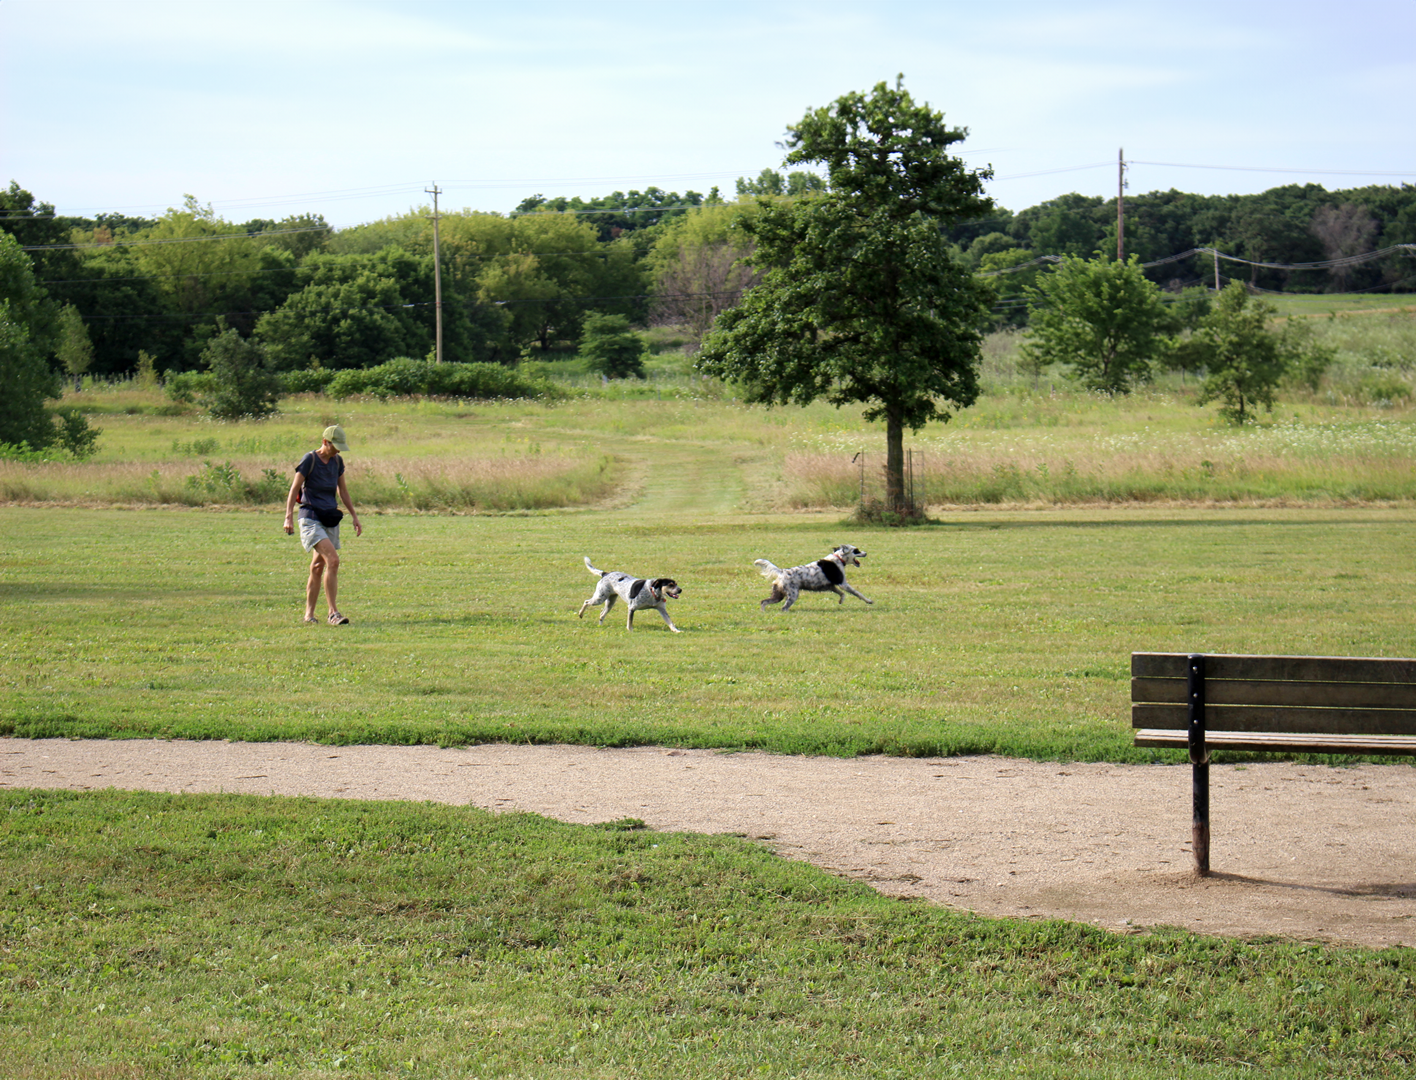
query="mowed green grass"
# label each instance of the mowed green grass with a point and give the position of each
(1005, 632)
(146, 935)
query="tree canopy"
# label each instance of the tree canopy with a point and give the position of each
(1245, 360)
(1101, 318)
(861, 300)
(26, 380)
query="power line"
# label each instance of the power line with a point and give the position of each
(1406, 250)
(177, 239)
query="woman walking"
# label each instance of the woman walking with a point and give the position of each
(319, 478)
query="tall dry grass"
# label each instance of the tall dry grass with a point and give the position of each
(462, 484)
(1287, 463)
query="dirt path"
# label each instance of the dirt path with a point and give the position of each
(1300, 851)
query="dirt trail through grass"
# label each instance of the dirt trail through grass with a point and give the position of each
(682, 480)
(1300, 851)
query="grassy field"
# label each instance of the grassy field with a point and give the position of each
(146, 935)
(994, 631)
(223, 936)
(998, 628)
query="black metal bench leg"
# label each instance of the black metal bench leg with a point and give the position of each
(1200, 826)
(1199, 764)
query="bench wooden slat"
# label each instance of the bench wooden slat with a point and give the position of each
(1360, 669)
(1314, 744)
(1262, 718)
(1251, 692)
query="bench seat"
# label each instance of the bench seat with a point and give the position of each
(1278, 742)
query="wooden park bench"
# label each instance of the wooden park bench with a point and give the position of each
(1293, 704)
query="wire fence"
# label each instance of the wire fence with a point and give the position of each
(875, 485)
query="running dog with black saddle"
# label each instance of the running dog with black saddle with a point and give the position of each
(824, 575)
(637, 594)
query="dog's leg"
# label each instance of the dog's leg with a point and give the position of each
(583, 606)
(609, 603)
(792, 593)
(846, 585)
(664, 611)
(629, 623)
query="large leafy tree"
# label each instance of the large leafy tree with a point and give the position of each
(861, 299)
(1102, 319)
(197, 261)
(352, 314)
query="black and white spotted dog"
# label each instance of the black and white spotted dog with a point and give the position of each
(637, 594)
(821, 576)
(824, 575)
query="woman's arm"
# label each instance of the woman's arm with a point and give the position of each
(344, 494)
(296, 486)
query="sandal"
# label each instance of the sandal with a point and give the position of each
(310, 619)
(336, 619)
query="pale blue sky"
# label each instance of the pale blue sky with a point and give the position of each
(351, 109)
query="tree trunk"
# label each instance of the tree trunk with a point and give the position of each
(895, 464)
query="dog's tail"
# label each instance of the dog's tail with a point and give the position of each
(597, 573)
(767, 569)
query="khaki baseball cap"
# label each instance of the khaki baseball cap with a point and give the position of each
(335, 434)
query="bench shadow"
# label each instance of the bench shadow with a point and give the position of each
(1383, 889)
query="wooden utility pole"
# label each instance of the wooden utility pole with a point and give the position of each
(1120, 205)
(437, 270)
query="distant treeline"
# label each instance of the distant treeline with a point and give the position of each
(522, 283)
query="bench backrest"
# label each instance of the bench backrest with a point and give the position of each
(1326, 695)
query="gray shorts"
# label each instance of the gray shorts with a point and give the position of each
(312, 532)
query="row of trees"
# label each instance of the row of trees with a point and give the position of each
(359, 296)
(1284, 226)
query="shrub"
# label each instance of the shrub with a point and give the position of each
(404, 376)
(185, 387)
(223, 481)
(1101, 318)
(22, 451)
(1385, 388)
(74, 433)
(306, 381)
(611, 348)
